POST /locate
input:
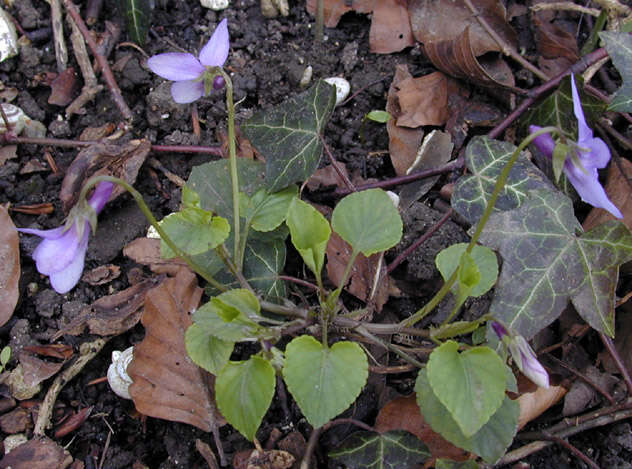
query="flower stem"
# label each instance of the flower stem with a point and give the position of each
(500, 184)
(232, 153)
(152, 220)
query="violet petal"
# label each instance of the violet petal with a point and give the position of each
(589, 188)
(101, 195)
(184, 92)
(64, 280)
(46, 234)
(176, 66)
(54, 255)
(215, 52)
(584, 132)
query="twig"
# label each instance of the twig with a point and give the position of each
(298, 281)
(607, 342)
(567, 6)
(61, 52)
(573, 450)
(507, 49)
(584, 378)
(88, 351)
(102, 61)
(334, 163)
(422, 239)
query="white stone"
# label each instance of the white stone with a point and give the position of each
(307, 77)
(118, 378)
(215, 4)
(343, 88)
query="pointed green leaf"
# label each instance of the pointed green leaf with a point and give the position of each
(490, 442)
(545, 263)
(194, 230)
(206, 350)
(470, 384)
(310, 233)
(238, 302)
(394, 449)
(138, 14)
(5, 355)
(288, 136)
(486, 158)
(267, 211)
(560, 153)
(368, 221)
(448, 261)
(619, 47)
(244, 391)
(208, 318)
(324, 381)
(381, 117)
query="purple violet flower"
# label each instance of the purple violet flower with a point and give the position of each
(523, 355)
(62, 252)
(194, 78)
(592, 153)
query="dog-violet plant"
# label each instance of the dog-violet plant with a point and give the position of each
(193, 77)
(61, 254)
(581, 164)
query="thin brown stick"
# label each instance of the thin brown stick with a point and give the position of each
(61, 52)
(584, 378)
(334, 163)
(102, 61)
(607, 342)
(573, 450)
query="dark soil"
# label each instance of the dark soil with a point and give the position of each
(267, 60)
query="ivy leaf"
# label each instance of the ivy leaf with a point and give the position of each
(390, 450)
(368, 221)
(619, 47)
(244, 391)
(486, 158)
(310, 233)
(206, 350)
(490, 442)
(194, 230)
(138, 14)
(324, 381)
(545, 264)
(470, 384)
(288, 136)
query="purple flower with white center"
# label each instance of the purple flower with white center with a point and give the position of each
(592, 154)
(523, 355)
(62, 252)
(194, 78)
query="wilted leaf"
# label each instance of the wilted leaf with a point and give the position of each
(73, 422)
(334, 9)
(423, 100)
(38, 453)
(391, 450)
(390, 27)
(101, 275)
(64, 88)
(53, 350)
(146, 251)
(555, 43)
(288, 136)
(9, 266)
(114, 159)
(167, 384)
(533, 404)
(327, 177)
(545, 264)
(138, 14)
(35, 371)
(486, 158)
(619, 47)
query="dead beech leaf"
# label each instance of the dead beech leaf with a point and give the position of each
(390, 27)
(167, 384)
(73, 422)
(423, 100)
(435, 21)
(618, 191)
(9, 266)
(334, 9)
(533, 404)
(368, 279)
(102, 274)
(64, 88)
(146, 251)
(327, 177)
(62, 351)
(96, 133)
(34, 370)
(553, 42)
(38, 453)
(402, 142)
(120, 160)
(402, 413)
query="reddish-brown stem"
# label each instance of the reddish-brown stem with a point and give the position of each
(572, 449)
(299, 281)
(103, 63)
(585, 379)
(334, 163)
(607, 342)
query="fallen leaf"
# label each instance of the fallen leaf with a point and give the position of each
(8, 152)
(327, 177)
(120, 160)
(9, 266)
(146, 251)
(553, 42)
(35, 371)
(423, 100)
(403, 413)
(62, 351)
(402, 142)
(102, 274)
(368, 279)
(33, 166)
(64, 88)
(73, 422)
(533, 404)
(16, 421)
(167, 384)
(97, 133)
(390, 27)
(582, 396)
(334, 9)
(618, 190)
(38, 453)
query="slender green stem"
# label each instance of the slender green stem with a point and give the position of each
(320, 20)
(500, 184)
(345, 276)
(150, 217)
(387, 345)
(232, 153)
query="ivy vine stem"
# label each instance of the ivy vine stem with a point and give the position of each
(500, 184)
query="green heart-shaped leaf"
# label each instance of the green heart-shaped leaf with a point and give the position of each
(206, 350)
(310, 233)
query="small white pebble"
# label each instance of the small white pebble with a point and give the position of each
(215, 4)
(152, 233)
(342, 88)
(307, 77)
(394, 198)
(118, 378)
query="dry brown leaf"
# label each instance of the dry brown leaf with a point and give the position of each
(8, 152)
(167, 384)
(64, 88)
(423, 100)
(101, 275)
(38, 453)
(390, 27)
(553, 42)
(403, 413)
(368, 279)
(146, 251)
(33, 166)
(120, 160)
(9, 266)
(97, 133)
(532, 404)
(73, 422)
(435, 21)
(334, 9)
(62, 351)
(327, 177)
(618, 191)
(34, 370)
(402, 142)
